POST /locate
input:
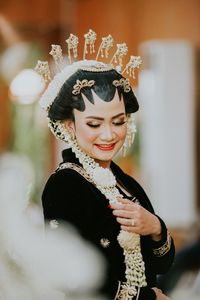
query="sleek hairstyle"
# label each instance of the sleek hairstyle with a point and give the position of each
(63, 105)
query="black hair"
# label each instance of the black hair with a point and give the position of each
(63, 105)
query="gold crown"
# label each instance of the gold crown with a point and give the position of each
(116, 61)
(64, 71)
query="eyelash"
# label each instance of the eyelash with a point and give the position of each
(98, 125)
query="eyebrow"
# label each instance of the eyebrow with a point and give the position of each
(101, 119)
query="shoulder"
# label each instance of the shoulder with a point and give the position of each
(64, 185)
(63, 175)
(65, 180)
(64, 193)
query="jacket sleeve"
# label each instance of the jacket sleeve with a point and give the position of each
(163, 251)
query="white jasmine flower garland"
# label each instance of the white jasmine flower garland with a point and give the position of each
(103, 177)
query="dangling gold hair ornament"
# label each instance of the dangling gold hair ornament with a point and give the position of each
(56, 52)
(72, 43)
(130, 136)
(90, 39)
(122, 50)
(42, 68)
(134, 62)
(106, 44)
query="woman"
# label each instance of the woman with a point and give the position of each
(89, 105)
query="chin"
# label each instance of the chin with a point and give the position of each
(104, 157)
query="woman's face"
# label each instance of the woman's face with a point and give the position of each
(101, 128)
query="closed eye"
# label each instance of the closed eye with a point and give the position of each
(119, 123)
(115, 123)
(93, 125)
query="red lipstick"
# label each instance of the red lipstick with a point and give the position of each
(105, 147)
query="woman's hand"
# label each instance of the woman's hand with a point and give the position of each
(135, 218)
(159, 294)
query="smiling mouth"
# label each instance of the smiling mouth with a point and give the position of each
(105, 147)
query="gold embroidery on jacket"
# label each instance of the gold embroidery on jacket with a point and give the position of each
(161, 251)
(76, 168)
(104, 242)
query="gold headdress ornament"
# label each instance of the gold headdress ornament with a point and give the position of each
(134, 62)
(106, 44)
(90, 39)
(122, 50)
(64, 72)
(56, 52)
(42, 68)
(72, 43)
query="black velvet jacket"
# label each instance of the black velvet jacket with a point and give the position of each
(68, 196)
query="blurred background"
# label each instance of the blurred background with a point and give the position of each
(165, 155)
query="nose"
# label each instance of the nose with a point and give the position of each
(108, 133)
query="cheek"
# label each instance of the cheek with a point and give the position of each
(122, 133)
(85, 134)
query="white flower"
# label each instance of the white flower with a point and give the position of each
(103, 177)
(128, 240)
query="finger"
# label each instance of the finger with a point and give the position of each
(125, 201)
(127, 222)
(117, 206)
(127, 207)
(129, 228)
(129, 204)
(124, 221)
(123, 213)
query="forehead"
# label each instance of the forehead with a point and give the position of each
(101, 108)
